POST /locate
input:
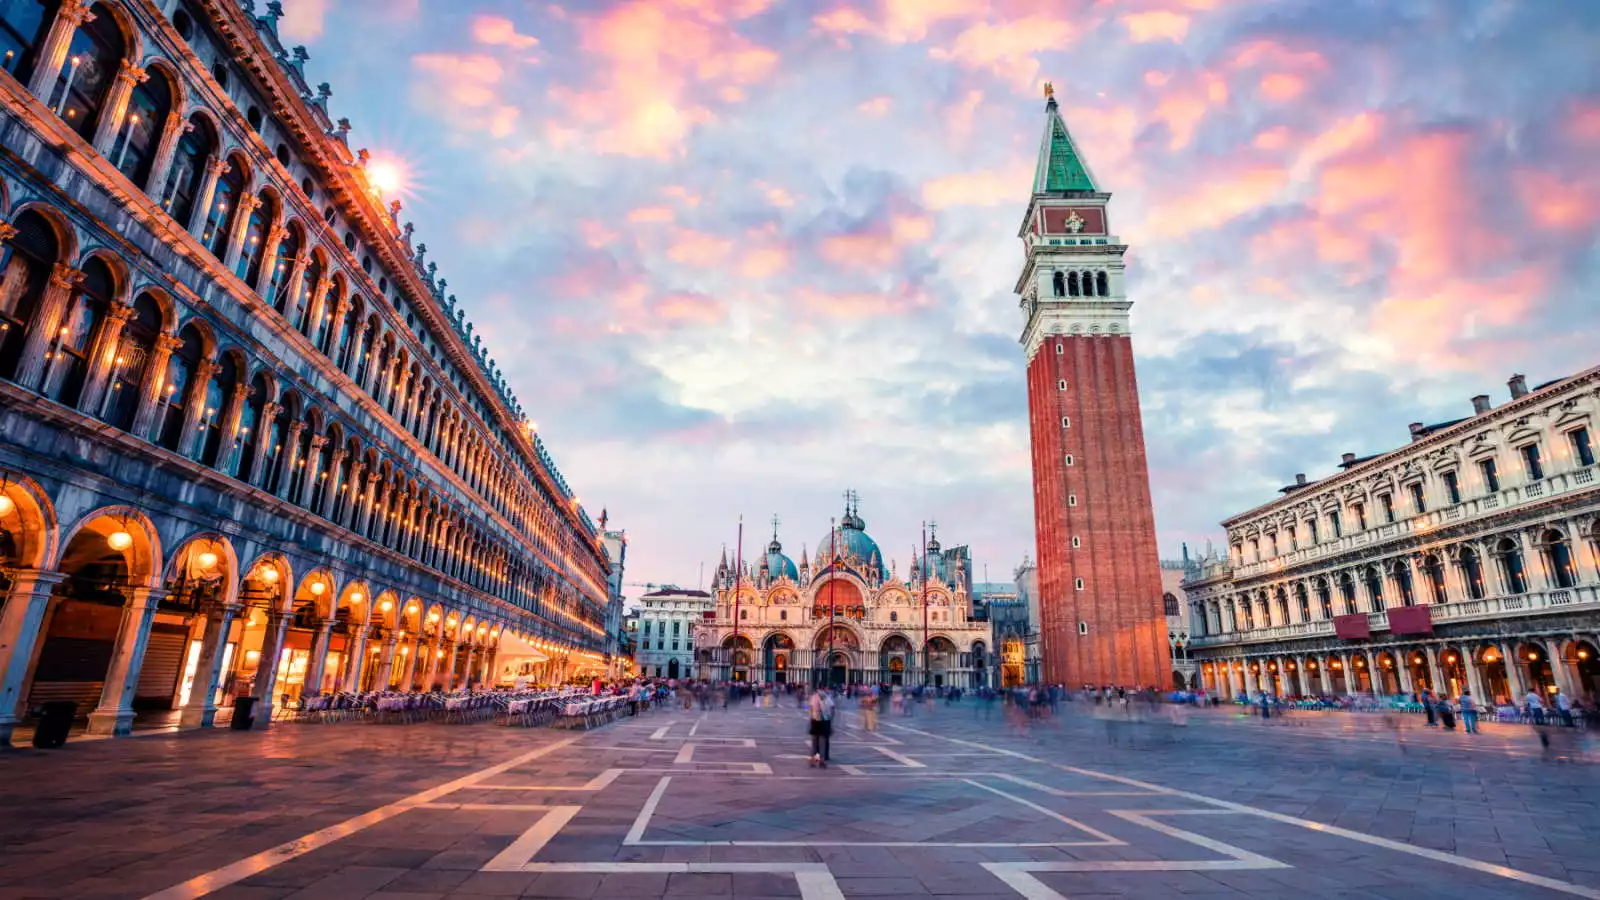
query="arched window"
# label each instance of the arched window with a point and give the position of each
(277, 287)
(24, 275)
(93, 58)
(249, 422)
(1374, 589)
(341, 497)
(1058, 284)
(219, 220)
(1401, 570)
(1433, 568)
(217, 392)
(128, 369)
(1170, 603)
(1325, 599)
(1283, 607)
(319, 487)
(1303, 600)
(69, 358)
(148, 107)
(1472, 573)
(347, 332)
(195, 149)
(1558, 559)
(1511, 571)
(1072, 284)
(255, 239)
(301, 456)
(23, 26)
(1101, 287)
(182, 366)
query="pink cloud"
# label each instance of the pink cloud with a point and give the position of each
(696, 248)
(1282, 86)
(1008, 51)
(877, 107)
(1183, 106)
(764, 262)
(1156, 25)
(502, 32)
(898, 21)
(986, 187)
(1558, 204)
(687, 307)
(854, 304)
(303, 20)
(654, 215)
(472, 86)
(1217, 200)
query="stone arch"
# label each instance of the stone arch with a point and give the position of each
(357, 598)
(205, 559)
(66, 236)
(132, 40)
(28, 525)
(121, 278)
(141, 548)
(386, 610)
(319, 588)
(163, 301)
(269, 574)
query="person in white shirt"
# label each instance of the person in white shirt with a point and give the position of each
(1533, 707)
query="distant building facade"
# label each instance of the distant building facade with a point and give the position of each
(615, 544)
(668, 617)
(1468, 559)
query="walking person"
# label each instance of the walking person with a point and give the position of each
(1562, 707)
(821, 715)
(1469, 713)
(869, 710)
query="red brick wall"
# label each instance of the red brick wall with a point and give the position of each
(1121, 601)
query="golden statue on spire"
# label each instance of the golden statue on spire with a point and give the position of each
(1049, 90)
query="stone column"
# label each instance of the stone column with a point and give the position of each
(216, 167)
(43, 332)
(269, 260)
(1441, 685)
(262, 437)
(288, 458)
(248, 204)
(430, 666)
(1516, 681)
(449, 675)
(267, 668)
(20, 626)
(358, 336)
(1475, 678)
(232, 412)
(1324, 681)
(386, 662)
(313, 463)
(53, 49)
(489, 674)
(335, 481)
(172, 131)
(145, 420)
(201, 710)
(114, 715)
(316, 300)
(103, 358)
(350, 508)
(114, 110)
(317, 664)
(1560, 670)
(363, 488)
(1402, 665)
(355, 659)
(341, 308)
(194, 408)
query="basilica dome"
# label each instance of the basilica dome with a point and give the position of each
(778, 565)
(851, 542)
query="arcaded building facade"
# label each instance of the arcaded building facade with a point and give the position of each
(1468, 559)
(248, 442)
(845, 616)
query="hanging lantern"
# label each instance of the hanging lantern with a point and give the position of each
(119, 540)
(207, 560)
(6, 505)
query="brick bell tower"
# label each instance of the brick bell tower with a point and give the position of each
(1099, 574)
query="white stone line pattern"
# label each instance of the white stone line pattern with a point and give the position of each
(1019, 875)
(598, 783)
(635, 837)
(1565, 887)
(900, 758)
(528, 844)
(234, 872)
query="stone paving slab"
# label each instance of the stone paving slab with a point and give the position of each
(946, 803)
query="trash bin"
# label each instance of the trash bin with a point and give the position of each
(243, 713)
(55, 720)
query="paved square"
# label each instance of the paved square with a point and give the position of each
(945, 803)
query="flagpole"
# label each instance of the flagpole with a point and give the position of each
(925, 602)
(738, 584)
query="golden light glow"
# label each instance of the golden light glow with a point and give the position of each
(386, 605)
(269, 575)
(387, 175)
(207, 560)
(318, 587)
(356, 597)
(119, 540)
(6, 505)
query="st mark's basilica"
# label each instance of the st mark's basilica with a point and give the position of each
(845, 616)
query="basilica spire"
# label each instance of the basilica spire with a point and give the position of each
(1061, 167)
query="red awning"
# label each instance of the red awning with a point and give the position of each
(1410, 620)
(1353, 627)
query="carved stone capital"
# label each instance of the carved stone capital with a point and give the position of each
(239, 392)
(168, 342)
(132, 74)
(65, 277)
(120, 312)
(276, 236)
(218, 166)
(318, 441)
(207, 368)
(249, 203)
(269, 411)
(76, 12)
(7, 231)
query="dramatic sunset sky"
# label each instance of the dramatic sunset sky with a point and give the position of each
(738, 255)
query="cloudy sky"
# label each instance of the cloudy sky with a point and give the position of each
(739, 255)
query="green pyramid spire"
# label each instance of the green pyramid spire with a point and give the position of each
(1060, 167)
